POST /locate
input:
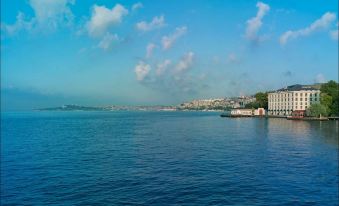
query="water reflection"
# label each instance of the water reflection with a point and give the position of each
(326, 131)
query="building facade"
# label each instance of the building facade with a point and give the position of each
(293, 98)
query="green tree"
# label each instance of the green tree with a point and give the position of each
(316, 110)
(262, 99)
(326, 100)
(252, 105)
(331, 89)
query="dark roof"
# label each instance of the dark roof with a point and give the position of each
(298, 87)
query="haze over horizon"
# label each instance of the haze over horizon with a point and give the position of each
(56, 52)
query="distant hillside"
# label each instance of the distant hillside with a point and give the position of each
(73, 108)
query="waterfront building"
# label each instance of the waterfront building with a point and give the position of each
(241, 112)
(292, 98)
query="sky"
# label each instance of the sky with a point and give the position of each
(105, 52)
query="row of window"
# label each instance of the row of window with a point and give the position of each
(296, 99)
(288, 104)
(280, 109)
(282, 104)
(291, 94)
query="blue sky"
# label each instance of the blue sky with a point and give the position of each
(104, 52)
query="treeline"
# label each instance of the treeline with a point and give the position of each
(329, 98)
(329, 101)
(261, 101)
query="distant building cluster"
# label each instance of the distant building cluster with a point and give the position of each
(293, 99)
(217, 104)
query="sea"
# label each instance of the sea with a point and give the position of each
(166, 158)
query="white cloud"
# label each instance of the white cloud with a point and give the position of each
(255, 23)
(142, 70)
(161, 67)
(156, 23)
(108, 41)
(173, 78)
(334, 34)
(137, 6)
(20, 24)
(185, 63)
(48, 14)
(320, 78)
(149, 50)
(103, 18)
(52, 12)
(168, 41)
(320, 24)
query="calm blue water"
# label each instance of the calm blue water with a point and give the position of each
(166, 158)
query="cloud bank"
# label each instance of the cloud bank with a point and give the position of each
(137, 6)
(173, 78)
(254, 24)
(108, 41)
(320, 24)
(149, 50)
(102, 19)
(156, 23)
(48, 15)
(142, 70)
(168, 41)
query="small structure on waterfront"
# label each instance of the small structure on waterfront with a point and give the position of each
(259, 112)
(298, 114)
(241, 112)
(244, 112)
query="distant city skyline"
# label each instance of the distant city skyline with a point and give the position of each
(56, 52)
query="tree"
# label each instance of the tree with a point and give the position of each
(252, 105)
(262, 99)
(331, 89)
(326, 100)
(316, 110)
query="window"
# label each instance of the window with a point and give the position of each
(301, 99)
(301, 94)
(296, 94)
(296, 99)
(305, 99)
(315, 99)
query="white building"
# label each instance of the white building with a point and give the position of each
(293, 98)
(241, 112)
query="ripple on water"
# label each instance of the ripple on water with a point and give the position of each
(174, 158)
